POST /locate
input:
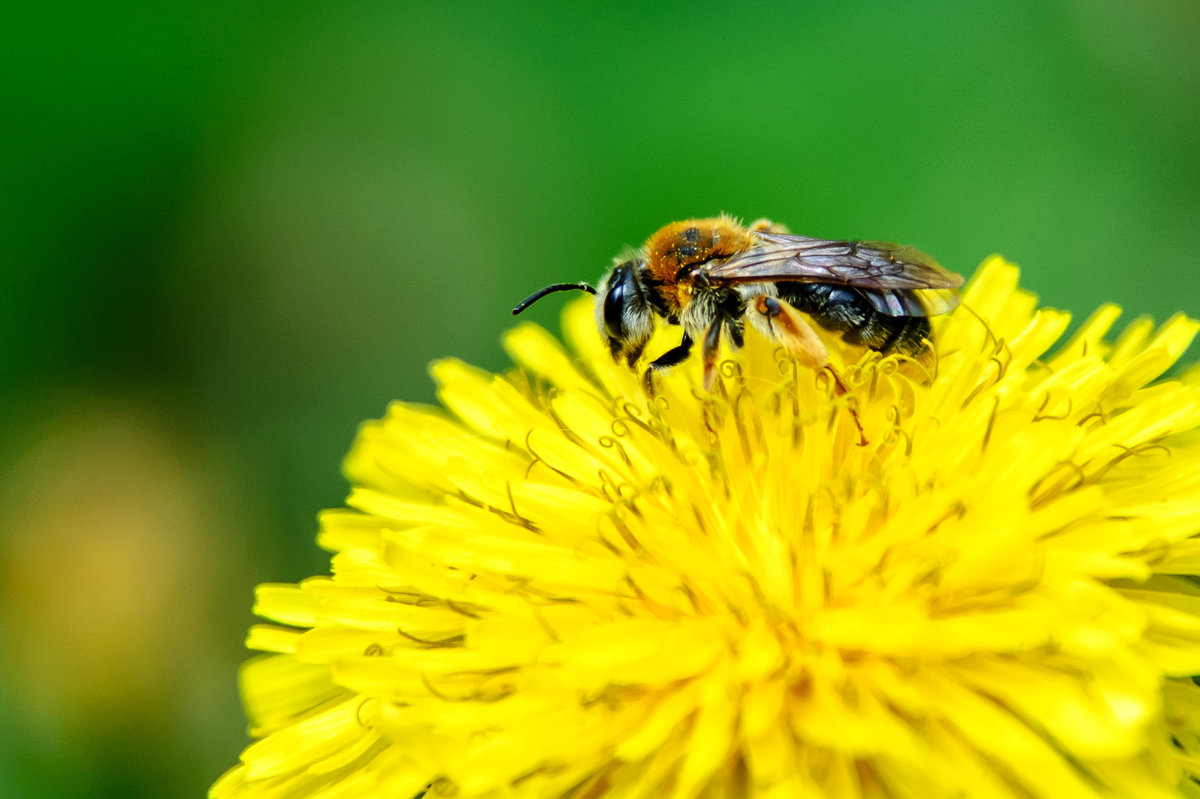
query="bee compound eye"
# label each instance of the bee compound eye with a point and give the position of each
(614, 310)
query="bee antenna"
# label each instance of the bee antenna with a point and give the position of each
(537, 295)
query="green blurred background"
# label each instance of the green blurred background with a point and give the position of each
(231, 231)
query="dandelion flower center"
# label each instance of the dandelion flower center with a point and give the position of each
(556, 586)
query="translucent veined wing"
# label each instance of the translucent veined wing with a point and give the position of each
(897, 280)
(912, 302)
(865, 264)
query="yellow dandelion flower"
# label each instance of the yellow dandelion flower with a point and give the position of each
(555, 587)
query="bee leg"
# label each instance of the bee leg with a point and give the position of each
(796, 335)
(712, 341)
(734, 332)
(803, 343)
(765, 225)
(668, 359)
(631, 357)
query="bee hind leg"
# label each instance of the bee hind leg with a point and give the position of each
(802, 342)
(764, 225)
(795, 334)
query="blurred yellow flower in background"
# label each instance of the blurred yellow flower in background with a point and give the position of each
(558, 587)
(108, 602)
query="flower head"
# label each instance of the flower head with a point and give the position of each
(556, 586)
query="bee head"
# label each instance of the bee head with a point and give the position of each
(622, 312)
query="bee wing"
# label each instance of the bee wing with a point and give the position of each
(912, 302)
(878, 266)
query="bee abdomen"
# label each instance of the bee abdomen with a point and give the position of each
(834, 308)
(904, 335)
(843, 310)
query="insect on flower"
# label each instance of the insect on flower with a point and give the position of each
(710, 275)
(708, 597)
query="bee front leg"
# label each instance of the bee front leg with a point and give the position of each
(668, 359)
(803, 343)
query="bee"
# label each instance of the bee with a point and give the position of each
(709, 276)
